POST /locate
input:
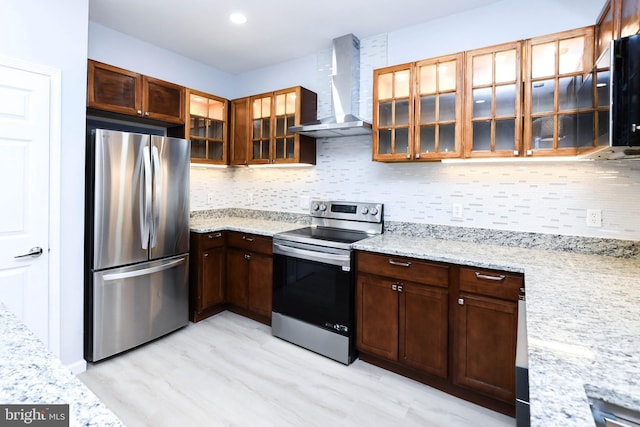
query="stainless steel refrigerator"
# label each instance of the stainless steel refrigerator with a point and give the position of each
(137, 240)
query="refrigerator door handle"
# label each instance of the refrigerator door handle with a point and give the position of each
(156, 196)
(145, 215)
(144, 271)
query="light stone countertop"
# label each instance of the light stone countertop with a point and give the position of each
(30, 374)
(243, 225)
(583, 322)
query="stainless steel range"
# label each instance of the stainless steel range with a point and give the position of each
(314, 278)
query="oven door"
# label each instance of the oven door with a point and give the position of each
(315, 285)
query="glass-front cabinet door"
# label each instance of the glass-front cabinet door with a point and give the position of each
(285, 117)
(261, 134)
(557, 69)
(207, 128)
(493, 101)
(438, 117)
(393, 113)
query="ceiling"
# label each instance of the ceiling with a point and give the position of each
(276, 30)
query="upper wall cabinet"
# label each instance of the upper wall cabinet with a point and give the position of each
(618, 18)
(418, 110)
(207, 127)
(260, 126)
(492, 101)
(121, 91)
(557, 65)
(393, 105)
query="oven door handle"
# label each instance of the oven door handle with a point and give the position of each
(343, 261)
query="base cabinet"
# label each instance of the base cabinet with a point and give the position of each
(400, 320)
(451, 327)
(249, 275)
(206, 275)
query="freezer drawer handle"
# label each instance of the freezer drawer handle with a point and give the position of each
(34, 252)
(143, 272)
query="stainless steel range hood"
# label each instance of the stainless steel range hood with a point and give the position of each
(345, 95)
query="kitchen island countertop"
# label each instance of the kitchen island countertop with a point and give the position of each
(31, 375)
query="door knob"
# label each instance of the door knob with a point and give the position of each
(33, 252)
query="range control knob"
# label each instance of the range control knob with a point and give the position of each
(365, 210)
(323, 207)
(315, 206)
(373, 211)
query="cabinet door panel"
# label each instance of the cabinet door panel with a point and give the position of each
(377, 317)
(260, 280)
(113, 89)
(485, 346)
(237, 278)
(423, 328)
(212, 288)
(163, 100)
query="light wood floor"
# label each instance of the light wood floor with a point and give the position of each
(229, 370)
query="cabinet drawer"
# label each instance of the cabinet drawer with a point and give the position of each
(402, 268)
(491, 283)
(213, 239)
(250, 242)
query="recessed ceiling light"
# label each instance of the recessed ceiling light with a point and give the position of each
(237, 18)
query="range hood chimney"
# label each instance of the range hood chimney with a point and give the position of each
(345, 95)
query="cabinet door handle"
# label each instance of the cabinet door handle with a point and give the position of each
(401, 264)
(499, 278)
(394, 287)
(247, 256)
(215, 236)
(206, 255)
(139, 112)
(461, 301)
(146, 114)
(248, 239)
(400, 287)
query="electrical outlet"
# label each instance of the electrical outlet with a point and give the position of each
(250, 198)
(210, 198)
(594, 217)
(456, 211)
(303, 202)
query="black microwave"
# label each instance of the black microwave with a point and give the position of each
(619, 71)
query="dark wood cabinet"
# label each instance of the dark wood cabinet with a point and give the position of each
(206, 275)
(240, 131)
(451, 327)
(122, 91)
(485, 332)
(260, 123)
(402, 311)
(249, 275)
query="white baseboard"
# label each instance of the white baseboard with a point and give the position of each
(77, 367)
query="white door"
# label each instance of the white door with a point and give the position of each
(24, 196)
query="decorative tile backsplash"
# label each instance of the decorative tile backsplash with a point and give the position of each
(540, 197)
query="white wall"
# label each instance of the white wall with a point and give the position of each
(121, 50)
(501, 22)
(54, 34)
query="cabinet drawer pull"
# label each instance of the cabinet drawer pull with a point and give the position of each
(248, 239)
(401, 264)
(499, 278)
(215, 235)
